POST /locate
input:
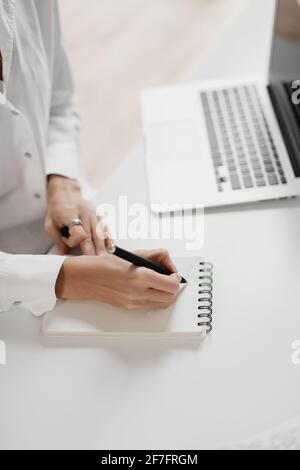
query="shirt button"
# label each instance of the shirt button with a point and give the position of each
(14, 112)
(28, 155)
(37, 196)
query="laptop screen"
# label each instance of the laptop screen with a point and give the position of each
(284, 80)
(285, 60)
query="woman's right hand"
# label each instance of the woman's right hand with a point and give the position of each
(116, 282)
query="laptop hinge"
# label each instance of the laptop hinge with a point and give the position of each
(288, 124)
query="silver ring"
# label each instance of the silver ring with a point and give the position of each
(74, 223)
(65, 231)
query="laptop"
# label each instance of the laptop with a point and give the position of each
(230, 141)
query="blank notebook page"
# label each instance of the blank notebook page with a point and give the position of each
(89, 318)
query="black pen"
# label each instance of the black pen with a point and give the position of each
(142, 262)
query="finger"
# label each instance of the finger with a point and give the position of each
(151, 306)
(87, 246)
(98, 235)
(158, 306)
(77, 236)
(161, 257)
(77, 232)
(56, 237)
(108, 239)
(169, 284)
(168, 263)
(159, 296)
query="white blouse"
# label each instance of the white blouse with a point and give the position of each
(39, 130)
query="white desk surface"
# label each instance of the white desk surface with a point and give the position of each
(239, 383)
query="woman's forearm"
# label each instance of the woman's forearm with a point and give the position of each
(67, 279)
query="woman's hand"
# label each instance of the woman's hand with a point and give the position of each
(114, 281)
(65, 203)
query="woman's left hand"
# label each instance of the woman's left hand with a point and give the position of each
(65, 204)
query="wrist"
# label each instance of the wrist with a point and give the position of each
(62, 182)
(57, 183)
(66, 279)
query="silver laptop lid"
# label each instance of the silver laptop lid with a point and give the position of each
(284, 77)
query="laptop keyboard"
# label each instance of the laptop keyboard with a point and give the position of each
(243, 150)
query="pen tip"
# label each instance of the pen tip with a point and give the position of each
(183, 281)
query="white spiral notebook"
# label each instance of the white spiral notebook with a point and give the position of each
(189, 317)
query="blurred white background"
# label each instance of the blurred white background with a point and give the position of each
(116, 48)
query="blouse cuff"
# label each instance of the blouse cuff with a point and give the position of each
(29, 281)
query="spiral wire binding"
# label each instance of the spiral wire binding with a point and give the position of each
(205, 301)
